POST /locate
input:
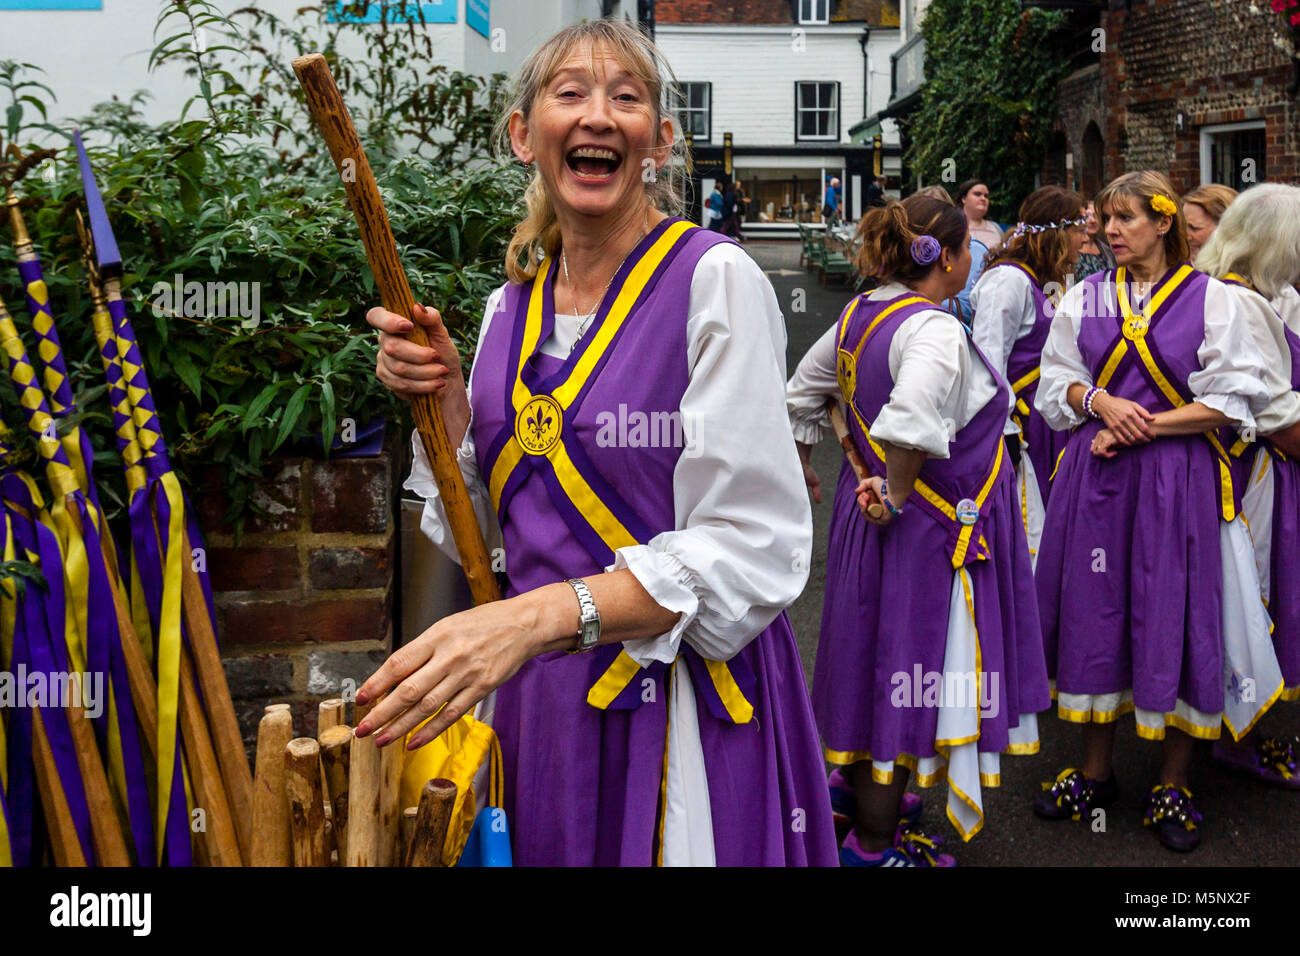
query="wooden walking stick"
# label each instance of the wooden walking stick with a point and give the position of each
(335, 751)
(270, 830)
(306, 804)
(331, 116)
(875, 509)
(431, 821)
(365, 796)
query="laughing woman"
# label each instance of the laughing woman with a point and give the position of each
(684, 735)
(1146, 581)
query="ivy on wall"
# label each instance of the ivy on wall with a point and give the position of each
(991, 71)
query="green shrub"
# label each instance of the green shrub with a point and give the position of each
(239, 188)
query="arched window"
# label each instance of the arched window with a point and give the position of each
(1092, 170)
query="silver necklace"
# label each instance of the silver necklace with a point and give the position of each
(582, 323)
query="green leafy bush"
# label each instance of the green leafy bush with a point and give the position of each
(991, 74)
(240, 189)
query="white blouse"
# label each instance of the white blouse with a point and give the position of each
(741, 546)
(1268, 331)
(1003, 300)
(940, 383)
(1287, 304)
(1232, 368)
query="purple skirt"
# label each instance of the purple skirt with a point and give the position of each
(1284, 576)
(886, 614)
(582, 785)
(1129, 574)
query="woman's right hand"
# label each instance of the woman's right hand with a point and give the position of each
(409, 369)
(1127, 420)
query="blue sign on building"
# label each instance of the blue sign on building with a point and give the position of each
(477, 14)
(51, 4)
(432, 11)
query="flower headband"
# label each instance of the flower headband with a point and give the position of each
(1163, 205)
(1024, 228)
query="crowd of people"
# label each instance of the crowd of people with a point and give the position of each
(1099, 452)
(1051, 504)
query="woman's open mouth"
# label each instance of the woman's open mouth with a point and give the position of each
(593, 164)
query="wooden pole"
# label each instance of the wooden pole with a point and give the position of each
(205, 773)
(436, 803)
(365, 788)
(331, 116)
(58, 815)
(329, 714)
(335, 754)
(408, 831)
(859, 466)
(306, 804)
(270, 839)
(228, 742)
(392, 760)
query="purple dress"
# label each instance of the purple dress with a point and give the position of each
(585, 736)
(954, 565)
(1131, 573)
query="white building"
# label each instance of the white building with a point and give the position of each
(773, 88)
(93, 50)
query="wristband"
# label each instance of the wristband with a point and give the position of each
(884, 499)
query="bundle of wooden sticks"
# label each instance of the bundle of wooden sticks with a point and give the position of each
(336, 800)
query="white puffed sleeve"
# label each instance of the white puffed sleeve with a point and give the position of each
(1269, 333)
(814, 381)
(1003, 301)
(1062, 364)
(433, 522)
(1287, 303)
(930, 362)
(743, 537)
(1231, 377)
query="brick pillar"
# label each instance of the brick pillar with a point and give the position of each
(305, 600)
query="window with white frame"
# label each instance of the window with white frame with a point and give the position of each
(1233, 154)
(695, 106)
(814, 11)
(816, 111)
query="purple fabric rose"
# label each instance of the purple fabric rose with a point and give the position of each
(925, 250)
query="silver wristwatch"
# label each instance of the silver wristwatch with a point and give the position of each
(589, 630)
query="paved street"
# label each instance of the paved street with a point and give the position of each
(1246, 824)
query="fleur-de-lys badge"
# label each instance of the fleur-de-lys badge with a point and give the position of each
(1135, 327)
(846, 372)
(537, 426)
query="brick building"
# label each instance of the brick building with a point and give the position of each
(1204, 90)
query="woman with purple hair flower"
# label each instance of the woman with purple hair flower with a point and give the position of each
(914, 679)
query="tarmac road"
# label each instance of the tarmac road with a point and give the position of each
(1246, 824)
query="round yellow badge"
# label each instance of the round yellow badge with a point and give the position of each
(846, 371)
(537, 426)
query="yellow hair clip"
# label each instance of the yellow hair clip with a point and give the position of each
(1163, 205)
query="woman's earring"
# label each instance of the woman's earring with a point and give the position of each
(947, 268)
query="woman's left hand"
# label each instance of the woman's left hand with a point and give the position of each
(870, 493)
(448, 669)
(1105, 444)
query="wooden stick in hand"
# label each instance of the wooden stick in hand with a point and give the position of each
(332, 118)
(875, 509)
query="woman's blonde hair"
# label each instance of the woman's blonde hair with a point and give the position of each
(1258, 238)
(538, 235)
(1214, 199)
(935, 192)
(1134, 191)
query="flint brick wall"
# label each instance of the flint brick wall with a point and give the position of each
(1215, 61)
(305, 599)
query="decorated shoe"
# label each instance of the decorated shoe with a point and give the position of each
(1272, 760)
(844, 804)
(1171, 812)
(1072, 795)
(911, 848)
